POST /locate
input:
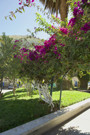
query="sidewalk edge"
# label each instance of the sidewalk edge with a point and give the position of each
(58, 120)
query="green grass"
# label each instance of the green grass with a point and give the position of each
(20, 109)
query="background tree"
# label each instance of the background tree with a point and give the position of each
(84, 78)
(5, 50)
(9, 66)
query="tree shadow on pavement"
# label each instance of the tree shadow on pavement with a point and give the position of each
(68, 131)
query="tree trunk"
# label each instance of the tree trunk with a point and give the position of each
(61, 82)
(14, 86)
(83, 84)
(60, 92)
(84, 81)
(63, 10)
(1, 82)
(52, 80)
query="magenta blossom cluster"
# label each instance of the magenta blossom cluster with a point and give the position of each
(27, 1)
(77, 12)
(86, 27)
(23, 50)
(41, 51)
(16, 41)
(33, 55)
(84, 1)
(14, 46)
(64, 30)
(72, 22)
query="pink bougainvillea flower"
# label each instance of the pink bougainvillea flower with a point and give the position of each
(50, 42)
(14, 46)
(27, 1)
(33, 55)
(79, 4)
(64, 30)
(20, 2)
(15, 56)
(55, 52)
(81, 12)
(53, 27)
(62, 44)
(77, 11)
(25, 54)
(43, 51)
(59, 54)
(38, 47)
(16, 41)
(86, 27)
(72, 21)
(84, 1)
(23, 49)
(55, 48)
(21, 58)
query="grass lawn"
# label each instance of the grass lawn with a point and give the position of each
(20, 109)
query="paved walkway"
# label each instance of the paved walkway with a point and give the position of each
(78, 126)
(6, 90)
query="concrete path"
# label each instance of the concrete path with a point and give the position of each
(78, 126)
(6, 90)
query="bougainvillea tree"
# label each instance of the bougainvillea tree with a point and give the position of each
(67, 49)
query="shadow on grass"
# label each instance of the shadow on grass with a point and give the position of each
(7, 95)
(17, 112)
(18, 93)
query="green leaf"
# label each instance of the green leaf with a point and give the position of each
(14, 16)
(19, 11)
(5, 17)
(10, 18)
(23, 10)
(2, 41)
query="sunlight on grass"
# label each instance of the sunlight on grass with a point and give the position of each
(70, 97)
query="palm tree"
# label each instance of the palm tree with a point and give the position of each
(60, 6)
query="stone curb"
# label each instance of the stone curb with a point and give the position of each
(57, 121)
(46, 123)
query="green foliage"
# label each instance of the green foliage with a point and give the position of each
(42, 22)
(9, 66)
(71, 2)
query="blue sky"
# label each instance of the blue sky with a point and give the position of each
(23, 21)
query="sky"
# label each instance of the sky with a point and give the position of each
(23, 21)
